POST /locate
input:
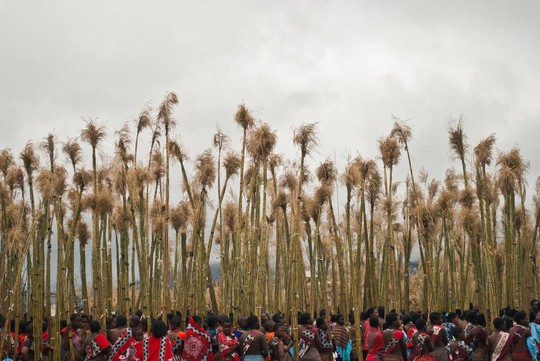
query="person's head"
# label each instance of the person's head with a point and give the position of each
(508, 323)
(197, 319)
(511, 312)
(134, 321)
(374, 321)
(340, 320)
(212, 322)
(29, 330)
(159, 328)
(481, 319)
(322, 313)
(363, 316)
(265, 317)
(304, 318)
(499, 324)
(242, 321)
(392, 320)
(452, 317)
(95, 326)
(351, 317)
(458, 333)
(44, 326)
(176, 322)
(380, 312)
(406, 318)
(252, 323)
(321, 323)
(521, 318)
(459, 312)
(471, 317)
(75, 321)
(534, 305)
(227, 326)
(278, 318)
(280, 330)
(435, 318)
(420, 324)
(121, 321)
(415, 317)
(139, 314)
(370, 312)
(138, 333)
(269, 326)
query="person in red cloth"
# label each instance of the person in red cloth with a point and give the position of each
(96, 346)
(395, 348)
(375, 340)
(520, 332)
(197, 346)
(154, 347)
(122, 343)
(422, 343)
(228, 342)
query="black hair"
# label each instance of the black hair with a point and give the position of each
(176, 322)
(73, 317)
(322, 313)
(498, 323)
(22, 326)
(333, 318)
(450, 316)
(459, 313)
(29, 328)
(381, 311)
(520, 316)
(470, 317)
(415, 317)
(44, 326)
(374, 321)
(481, 319)
(508, 323)
(320, 321)
(252, 321)
(278, 318)
(434, 316)
(406, 318)
(134, 321)
(370, 311)
(159, 328)
(212, 322)
(511, 312)
(351, 318)
(391, 318)
(363, 316)
(303, 318)
(121, 321)
(95, 326)
(456, 331)
(420, 324)
(138, 313)
(197, 319)
(12, 325)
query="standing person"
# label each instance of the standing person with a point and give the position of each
(253, 344)
(96, 346)
(470, 318)
(27, 350)
(412, 330)
(122, 336)
(500, 341)
(438, 335)
(422, 343)
(212, 324)
(228, 342)
(534, 312)
(342, 339)
(326, 340)
(520, 332)
(533, 342)
(116, 332)
(279, 344)
(477, 339)
(366, 329)
(452, 321)
(73, 338)
(156, 346)
(395, 347)
(198, 344)
(459, 351)
(375, 341)
(310, 341)
(241, 329)
(176, 342)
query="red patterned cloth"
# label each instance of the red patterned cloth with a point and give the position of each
(227, 346)
(197, 346)
(121, 345)
(151, 349)
(98, 344)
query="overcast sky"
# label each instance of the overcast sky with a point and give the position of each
(348, 65)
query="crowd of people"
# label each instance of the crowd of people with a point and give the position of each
(395, 336)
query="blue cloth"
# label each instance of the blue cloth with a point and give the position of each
(345, 352)
(253, 358)
(533, 340)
